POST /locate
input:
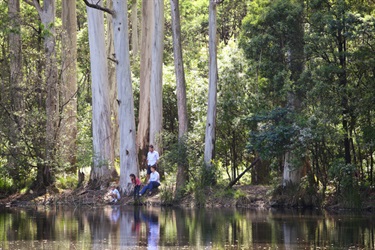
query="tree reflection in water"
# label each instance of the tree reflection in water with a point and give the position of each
(116, 227)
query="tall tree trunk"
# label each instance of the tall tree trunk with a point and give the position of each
(145, 80)
(343, 81)
(128, 150)
(292, 173)
(47, 15)
(182, 171)
(112, 86)
(134, 21)
(101, 123)
(15, 55)
(210, 137)
(156, 87)
(68, 130)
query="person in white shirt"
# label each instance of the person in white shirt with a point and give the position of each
(115, 194)
(154, 181)
(152, 160)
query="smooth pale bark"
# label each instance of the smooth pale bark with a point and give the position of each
(47, 14)
(156, 108)
(293, 173)
(15, 63)
(101, 124)
(134, 21)
(145, 79)
(128, 150)
(68, 128)
(210, 136)
(182, 171)
(112, 85)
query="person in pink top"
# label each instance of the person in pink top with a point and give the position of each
(136, 184)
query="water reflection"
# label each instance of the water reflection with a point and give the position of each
(116, 227)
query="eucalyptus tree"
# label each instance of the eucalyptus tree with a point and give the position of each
(128, 151)
(143, 128)
(156, 82)
(182, 172)
(101, 123)
(134, 22)
(210, 137)
(16, 92)
(112, 81)
(47, 14)
(68, 125)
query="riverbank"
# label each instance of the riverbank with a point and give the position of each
(247, 196)
(242, 196)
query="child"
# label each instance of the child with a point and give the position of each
(114, 193)
(136, 184)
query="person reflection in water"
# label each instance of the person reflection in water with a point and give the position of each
(152, 220)
(115, 215)
(137, 221)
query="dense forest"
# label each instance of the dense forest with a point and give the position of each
(281, 90)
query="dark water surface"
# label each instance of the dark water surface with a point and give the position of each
(164, 228)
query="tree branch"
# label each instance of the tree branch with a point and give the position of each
(98, 7)
(35, 4)
(231, 184)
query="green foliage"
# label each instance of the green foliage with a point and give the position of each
(166, 195)
(345, 178)
(66, 181)
(274, 133)
(6, 185)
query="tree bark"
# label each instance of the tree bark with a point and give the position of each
(293, 173)
(112, 85)
(210, 136)
(182, 168)
(101, 124)
(145, 80)
(156, 87)
(134, 21)
(68, 128)
(47, 15)
(16, 76)
(128, 150)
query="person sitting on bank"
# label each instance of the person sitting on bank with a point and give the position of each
(152, 159)
(114, 193)
(153, 182)
(136, 184)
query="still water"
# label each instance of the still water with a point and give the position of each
(165, 228)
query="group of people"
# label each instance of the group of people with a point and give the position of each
(153, 178)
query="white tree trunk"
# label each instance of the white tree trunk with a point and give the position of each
(68, 129)
(210, 136)
(156, 108)
(128, 150)
(182, 172)
(134, 21)
(101, 124)
(291, 174)
(112, 84)
(145, 79)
